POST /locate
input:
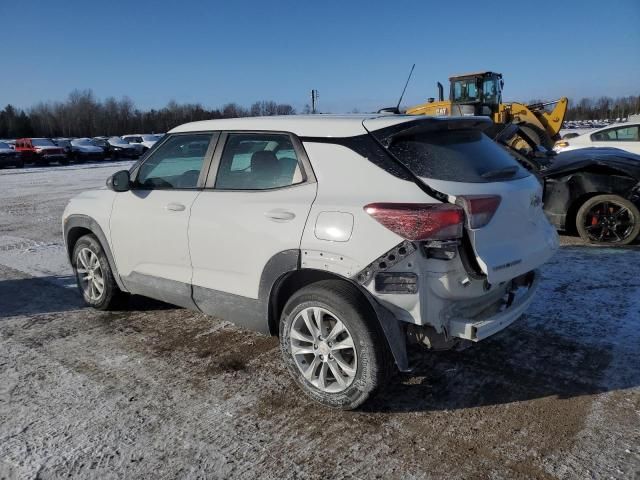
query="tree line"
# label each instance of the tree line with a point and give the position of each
(603, 108)
(82, 115)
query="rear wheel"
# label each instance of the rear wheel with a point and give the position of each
(608, 219)
(94, 276)
(332, 345)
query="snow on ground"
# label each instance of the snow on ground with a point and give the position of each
(157, 391)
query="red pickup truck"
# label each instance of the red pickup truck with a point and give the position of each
(41, 151)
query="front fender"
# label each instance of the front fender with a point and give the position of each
(75, 226)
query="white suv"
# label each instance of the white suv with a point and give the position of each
(350, 237)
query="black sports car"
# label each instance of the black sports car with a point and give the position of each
(594, 191)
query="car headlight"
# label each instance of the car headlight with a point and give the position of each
(561, 144)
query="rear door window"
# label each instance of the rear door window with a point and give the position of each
(258, 161)
(456, 155)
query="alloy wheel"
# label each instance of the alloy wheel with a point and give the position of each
(90, 275)
(609, 222)
(323, 349)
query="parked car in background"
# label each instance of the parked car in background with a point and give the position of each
(625, 136)
(40, 151)
(9, 141)
(65, 144)
(594, 192)
(83, 149)
(103, 143)
(347, 236)
(146, 140)
(120, 148)
(9, 157)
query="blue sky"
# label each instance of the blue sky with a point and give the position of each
(357, 54)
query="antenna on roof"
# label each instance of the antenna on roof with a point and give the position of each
(405, 87)
(396, 109)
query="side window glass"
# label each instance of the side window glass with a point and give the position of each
(255, 161)
(622, 134)
(176, 163)
(604, 136)
(628, 134)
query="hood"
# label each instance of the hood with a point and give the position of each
(48, 147)
(88, 148)
(573, 160)
(123, 145)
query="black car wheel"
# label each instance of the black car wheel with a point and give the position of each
(608, 219)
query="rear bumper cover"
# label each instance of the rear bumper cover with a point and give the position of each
(476, 330)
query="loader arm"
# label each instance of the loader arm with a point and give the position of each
(553, 120)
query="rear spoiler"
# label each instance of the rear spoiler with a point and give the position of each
(387, 135)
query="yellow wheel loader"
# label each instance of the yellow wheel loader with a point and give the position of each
(480, 93)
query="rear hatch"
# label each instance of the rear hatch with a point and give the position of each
(453, 157)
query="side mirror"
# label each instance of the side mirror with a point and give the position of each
(119, 181)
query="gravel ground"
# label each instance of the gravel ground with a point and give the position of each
(160, 392)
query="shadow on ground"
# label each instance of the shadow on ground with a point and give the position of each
(55, 294)
(514, 366)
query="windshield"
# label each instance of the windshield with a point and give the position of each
(465, 90)
(42, 142)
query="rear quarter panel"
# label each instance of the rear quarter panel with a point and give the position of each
(347, 182)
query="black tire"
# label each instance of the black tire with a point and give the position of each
(373, 356)
(626, 230)
(20, 164)
(540, 137)
(64, 162)
(111, 297)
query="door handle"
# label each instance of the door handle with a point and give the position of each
(279, 215)
(175, 207)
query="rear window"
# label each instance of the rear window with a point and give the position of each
(456, 155)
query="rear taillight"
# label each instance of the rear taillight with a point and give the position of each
(479, 208)
(419, 221)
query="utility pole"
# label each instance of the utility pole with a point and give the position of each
(314, 100)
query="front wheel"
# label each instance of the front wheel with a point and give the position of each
(608, 219)
(332, 345)
(94, 276)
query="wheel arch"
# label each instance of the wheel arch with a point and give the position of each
(291, 282)
(75, 227)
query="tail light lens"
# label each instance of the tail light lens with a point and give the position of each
(479, 208)
(419, 221)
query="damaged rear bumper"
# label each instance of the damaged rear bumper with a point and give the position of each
(478, 329)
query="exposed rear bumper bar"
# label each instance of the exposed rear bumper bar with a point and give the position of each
(475, 331)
